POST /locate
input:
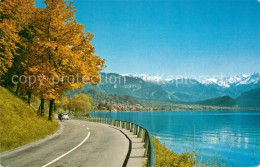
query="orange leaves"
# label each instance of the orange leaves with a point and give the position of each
(62, 52)
(53, 48)
(13, 15)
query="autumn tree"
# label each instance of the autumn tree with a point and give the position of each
(14, 15)
(14, 35)
(80, 102)
(61, 54)
(8, 36)
(63, 102)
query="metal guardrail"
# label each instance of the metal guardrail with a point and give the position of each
(137, 130)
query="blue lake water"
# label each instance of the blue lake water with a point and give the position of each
(219, 137)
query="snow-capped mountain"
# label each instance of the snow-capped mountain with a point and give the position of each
(222, 81)
(178, 89)
(233, 81)
(147, 78)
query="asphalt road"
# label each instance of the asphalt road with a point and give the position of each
(79, 143)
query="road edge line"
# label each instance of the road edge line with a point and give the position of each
(63, 155)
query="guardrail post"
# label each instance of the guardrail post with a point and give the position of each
(140, 132)
(146, 145)
(144, 136)
(136, 129)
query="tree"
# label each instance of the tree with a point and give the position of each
(46, 44)
(80, 102)
(59, 48)
(8, 35)
(13, 17)
(63, 102)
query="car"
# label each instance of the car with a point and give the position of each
(65, 116)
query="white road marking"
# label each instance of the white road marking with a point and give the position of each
(68, 151)
(87, 128)
(83, 125)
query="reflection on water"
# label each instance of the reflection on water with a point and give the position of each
(232, 137)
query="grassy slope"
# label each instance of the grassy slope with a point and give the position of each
(19, 123)
(164, 157)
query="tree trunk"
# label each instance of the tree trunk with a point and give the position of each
(41, 107)
(51, 109)
(29, 93)
(5, 84)
(54, 107)
(17, 88)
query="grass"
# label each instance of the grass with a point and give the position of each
(19, 123)
(166, 158)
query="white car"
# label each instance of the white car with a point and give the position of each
(65, 116)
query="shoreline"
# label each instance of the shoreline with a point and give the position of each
(235, 109)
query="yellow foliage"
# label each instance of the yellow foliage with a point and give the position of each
(60, 48)
(13, 14)
(164, 157)
(80, 102)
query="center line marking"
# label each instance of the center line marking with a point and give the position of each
(68, 151)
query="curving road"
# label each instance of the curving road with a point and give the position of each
(77, 143)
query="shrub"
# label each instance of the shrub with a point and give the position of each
(166, 158)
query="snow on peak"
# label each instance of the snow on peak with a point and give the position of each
(150, 78)
(145, 77)
(234, 80)
(210, 81)
(222, 81)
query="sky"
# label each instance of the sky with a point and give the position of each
(174, 37)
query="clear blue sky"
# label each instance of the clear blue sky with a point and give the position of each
(174, 36)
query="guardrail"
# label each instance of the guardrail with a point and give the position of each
(137, 130)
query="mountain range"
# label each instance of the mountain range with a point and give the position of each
(177, 90)
(221, 81)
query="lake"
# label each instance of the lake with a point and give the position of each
(219, 137)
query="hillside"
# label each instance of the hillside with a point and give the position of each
(115, 102)
(99, 97)
(129, 86)
(249, 99)
(19, 123)
(190, 90)
(224, 101)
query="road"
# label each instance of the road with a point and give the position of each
(80, 143)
